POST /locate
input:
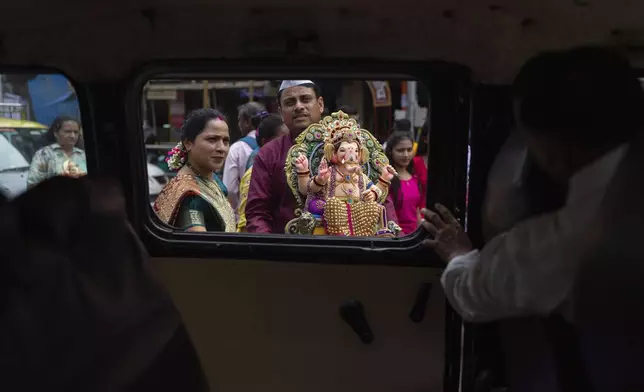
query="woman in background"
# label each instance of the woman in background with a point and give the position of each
(62, 157)
(406, 190)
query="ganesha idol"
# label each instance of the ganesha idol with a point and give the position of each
(340, 178)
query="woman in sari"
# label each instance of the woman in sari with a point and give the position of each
(62, 157)
(192, 200)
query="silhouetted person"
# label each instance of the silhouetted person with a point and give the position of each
(80, 309)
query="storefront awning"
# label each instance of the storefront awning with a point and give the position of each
(198, 85)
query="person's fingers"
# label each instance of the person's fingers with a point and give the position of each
(447, 215)
(429, 227)
(434, 218)
(429, 243)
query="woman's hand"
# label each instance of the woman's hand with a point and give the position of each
(301, 163)
(449, 239)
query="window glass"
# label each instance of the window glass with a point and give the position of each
(295, 157)
(40, 131)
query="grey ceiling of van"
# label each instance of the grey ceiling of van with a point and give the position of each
(91, 40)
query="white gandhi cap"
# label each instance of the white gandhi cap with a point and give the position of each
(293, 83)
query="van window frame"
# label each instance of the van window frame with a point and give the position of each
(84, 106)
(438, 77)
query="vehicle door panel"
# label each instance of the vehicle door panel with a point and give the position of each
(276, 326)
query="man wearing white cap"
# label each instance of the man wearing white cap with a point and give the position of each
(270, 204)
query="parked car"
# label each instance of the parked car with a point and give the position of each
(156, 155)
(13, 169)
(19, 141)
(157, 179)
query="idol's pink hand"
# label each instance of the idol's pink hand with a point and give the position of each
(354, 169)
(368, 195)
(389, 172)
(324, 172)
(301, 163)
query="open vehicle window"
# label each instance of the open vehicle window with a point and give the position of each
(214, 108)
(30, 106)
(312, 157)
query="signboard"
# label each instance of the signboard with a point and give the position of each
(177, 113)
(13, 111)
(11, 107)
(420, 115)
(162, 95)
(380, 92)
(400, 115)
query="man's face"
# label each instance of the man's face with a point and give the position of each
(300, 108)
(549, 155)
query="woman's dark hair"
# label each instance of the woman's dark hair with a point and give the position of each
(587, 96)
(268, 128)
(393, 140)
(402, 125)
(196, 122)
(258, 117)
(56, 125)
(422, 149)
(81, 142)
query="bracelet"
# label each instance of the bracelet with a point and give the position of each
(304, 173)
(385, 181)
(317, 183)
(375, 193)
